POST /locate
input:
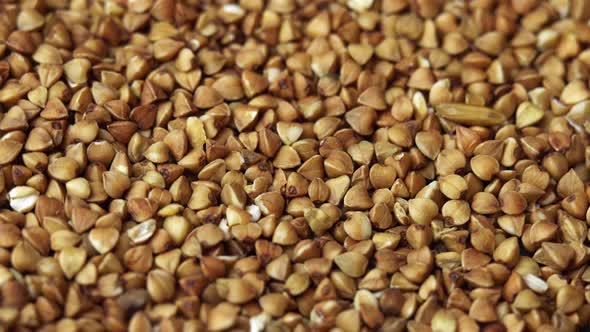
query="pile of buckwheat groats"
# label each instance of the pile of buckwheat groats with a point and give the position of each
(294, 165)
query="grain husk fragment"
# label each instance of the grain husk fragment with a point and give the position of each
(470, 114)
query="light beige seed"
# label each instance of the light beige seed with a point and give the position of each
(22, 198)
(575, 92)
(236, 291)
(352, 263)
(103, 239)
(422, 210)
(484, 166)
(9, 150)
(78, 187)
(71, 260)
(160, 285)
(76, 70)
(63, 169)
(452, 186)
(115, 183)
(29, 20)
(528, 114)
(457, 211)
(358, 226)
(176, 226)
(222, 316)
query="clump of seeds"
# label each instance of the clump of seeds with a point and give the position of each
(290, 165)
